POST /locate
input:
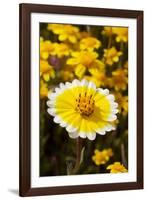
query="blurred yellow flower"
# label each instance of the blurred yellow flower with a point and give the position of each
(84, 60)
(66, 32)
(111, 55)
(55, 28)
(83, 109)
(122, 103)
(46, 70)
(84, 34)
(121, 33)
(46, 48)
(43, 89)
(66, 75)
(107, 31)
(119, 79)
(117, 167)
(101, 157)
(98, 76)
(89, 43)
(61, 49)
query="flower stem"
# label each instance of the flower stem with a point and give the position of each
(124, 161)
(109, 42)
(78, 155)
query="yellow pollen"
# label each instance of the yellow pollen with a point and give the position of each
(85, 104)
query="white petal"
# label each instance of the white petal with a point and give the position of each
(57, 90)
(101, 132)
(71, 129)
(103, 91)
(114, 105)
(84, 82)
(68, 84)
(114, 111)
(52, 96)
(82, 134)
(63, 124)
(75, 82)
(91, 136)
(112, 118)
(50, 103)
(62, 86)
(51, 111)
(92, 85)
(57, 120)
(73, 134)
(111, 98)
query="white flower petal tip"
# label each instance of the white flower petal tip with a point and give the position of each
(82, 134)
(84, 82)
(71, 129)
(103, 91)
(92, 85)
(73, 135)
(76, 82)
(51, 111)
(91, 136)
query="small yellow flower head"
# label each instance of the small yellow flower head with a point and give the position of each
(107, 31)
(82, 109)
(98, 76)
(84, 34)
(122, 103)
(117, 167)
(89, 43)
(101, 157)
(46, 70)
(84, 60)
(119, 79)
(43, 89)
(121, 34)
(46, 48)
(55, 28)
(61, 50)
(66, 32)
(111, 55)
(66, 75)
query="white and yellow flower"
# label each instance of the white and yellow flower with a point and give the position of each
(83, 109)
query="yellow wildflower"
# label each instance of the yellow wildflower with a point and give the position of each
(84, 60)
(46, 70)
(46, 48)
(119, 79)
(111, 55)
(98, 76)
(66, 75)
(55, 28)
(83, 109)
(117, 167)
(121, 33)
(107, 31)
(84, 34)
(61, 49)
(101, 157)
(43, 89)
(89, 43)
(122, 103)
(66, 32)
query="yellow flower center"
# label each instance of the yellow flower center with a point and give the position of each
(85, 104)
